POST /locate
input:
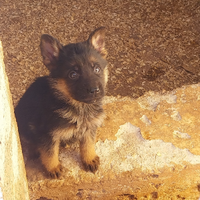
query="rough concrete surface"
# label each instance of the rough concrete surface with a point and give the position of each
(139, 160)
(13, 183)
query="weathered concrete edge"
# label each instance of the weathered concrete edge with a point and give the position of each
(13, 180)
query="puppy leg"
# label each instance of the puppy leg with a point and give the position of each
(88, 155)
(49, 158)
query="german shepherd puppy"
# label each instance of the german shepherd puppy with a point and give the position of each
(67, 104)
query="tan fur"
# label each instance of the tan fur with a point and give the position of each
(79, 130)
(61, 86)
(80, 120)
(50, 158)
(92, 59)
(63, 134)
(104, 53)
(106, 74)
(87, 150)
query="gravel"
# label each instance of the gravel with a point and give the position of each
(152, 45)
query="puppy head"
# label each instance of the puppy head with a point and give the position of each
(80, 67)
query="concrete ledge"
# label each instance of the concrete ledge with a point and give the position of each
(13, 182)
(149, 148)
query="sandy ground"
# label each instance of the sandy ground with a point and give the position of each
(152, 45)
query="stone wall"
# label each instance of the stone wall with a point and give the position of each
(13, 182)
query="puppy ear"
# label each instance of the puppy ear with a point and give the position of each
(97, 40)
(50, 49)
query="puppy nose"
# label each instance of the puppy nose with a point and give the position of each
(94, 90)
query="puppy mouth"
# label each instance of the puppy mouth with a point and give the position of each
(86, 97)
(92, 100)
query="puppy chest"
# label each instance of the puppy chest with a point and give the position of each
(77, 128)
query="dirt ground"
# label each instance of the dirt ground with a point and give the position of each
(152, 44)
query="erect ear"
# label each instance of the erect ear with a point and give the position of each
(50, 49)
(97, 40)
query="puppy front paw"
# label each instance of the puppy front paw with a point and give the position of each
(92, 165)
(56, 172)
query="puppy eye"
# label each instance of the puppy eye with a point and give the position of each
(73, 75)
(97, 69)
